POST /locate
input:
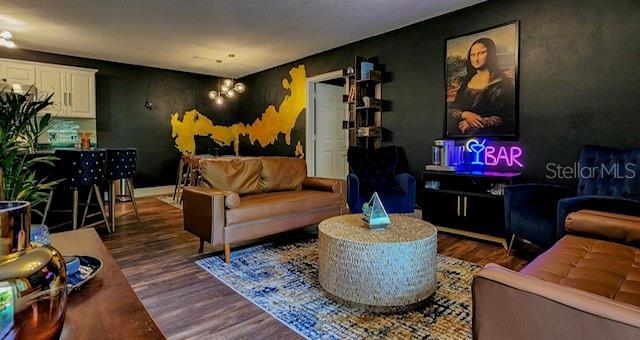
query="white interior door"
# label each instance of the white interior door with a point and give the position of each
(331, 140)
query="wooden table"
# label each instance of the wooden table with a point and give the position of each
(105, 307)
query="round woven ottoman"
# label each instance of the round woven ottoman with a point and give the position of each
(382, 271)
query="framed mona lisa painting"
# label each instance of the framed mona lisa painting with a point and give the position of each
(481, 79)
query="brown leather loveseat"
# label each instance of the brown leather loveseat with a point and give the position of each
(244, 198)
(587, 286)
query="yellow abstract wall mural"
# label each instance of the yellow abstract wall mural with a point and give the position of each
(193, 124)
(264, 130)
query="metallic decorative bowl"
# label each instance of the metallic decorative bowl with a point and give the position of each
(33, 290)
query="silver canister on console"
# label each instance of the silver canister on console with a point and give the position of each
(444, 155)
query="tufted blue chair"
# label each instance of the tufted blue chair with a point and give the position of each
(375, 171)
(121, 165)
(79, 169)
(612, 184)
(608, 180)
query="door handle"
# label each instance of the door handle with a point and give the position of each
(65, 98)
(465, 206)
(458, 205)
(70, 99)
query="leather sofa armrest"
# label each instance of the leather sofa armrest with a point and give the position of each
(338, 186)
(604, 226)
(211, 192)
(203, 213)
(552, 311)
(231, 198)
(324, 184)
(610, 204)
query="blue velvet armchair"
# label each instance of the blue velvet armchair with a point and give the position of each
(608, 180)
(375, 171)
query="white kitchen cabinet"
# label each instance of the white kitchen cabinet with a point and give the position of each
(73, 88)
(81, 94)
(53, 80)
(16, 72)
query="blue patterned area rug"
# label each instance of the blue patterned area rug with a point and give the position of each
(282, 279)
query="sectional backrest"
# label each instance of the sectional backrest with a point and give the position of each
(253, 175)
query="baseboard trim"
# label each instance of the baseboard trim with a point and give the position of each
(154, 191)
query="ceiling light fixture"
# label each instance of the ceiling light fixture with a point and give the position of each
(228, 88)
(5, 39)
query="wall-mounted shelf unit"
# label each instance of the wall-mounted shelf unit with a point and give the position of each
(365, 103)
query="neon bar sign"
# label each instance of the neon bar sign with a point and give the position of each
(485, 154)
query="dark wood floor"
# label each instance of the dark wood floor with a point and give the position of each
(157, 257)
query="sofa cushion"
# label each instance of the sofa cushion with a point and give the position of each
(282, 173)
(240, 175)
(604, 268)
(280, 203)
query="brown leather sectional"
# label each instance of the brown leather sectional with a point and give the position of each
(244, 198)
(587, 286)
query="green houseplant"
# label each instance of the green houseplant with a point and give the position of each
(20, 126)
(43, 300)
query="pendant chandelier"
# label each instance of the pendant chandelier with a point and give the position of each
(228, 88)
(5, 39)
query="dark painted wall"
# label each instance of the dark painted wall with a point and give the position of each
(579, 76)
(578, 85)
(122, 119)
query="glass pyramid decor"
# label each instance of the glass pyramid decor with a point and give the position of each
(374, 214)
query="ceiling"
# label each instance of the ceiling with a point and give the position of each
(189, 35)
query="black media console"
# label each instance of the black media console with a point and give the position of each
(467, 203)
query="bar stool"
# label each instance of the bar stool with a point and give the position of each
(80, 169)
(121, 164)
(184, 176)
(190, 163)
